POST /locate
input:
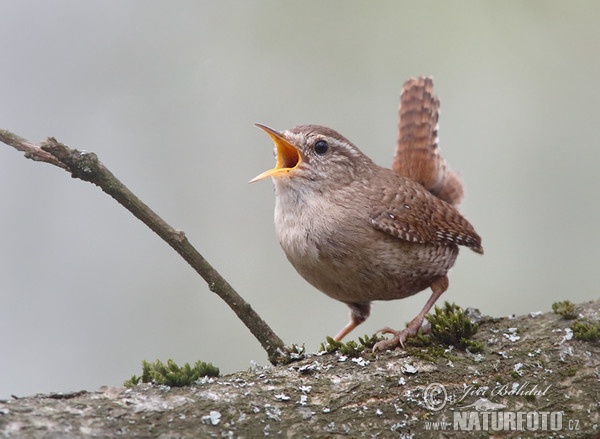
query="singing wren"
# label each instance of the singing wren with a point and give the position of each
(360, 232)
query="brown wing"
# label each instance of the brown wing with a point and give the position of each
(414, 215)
(417, 154)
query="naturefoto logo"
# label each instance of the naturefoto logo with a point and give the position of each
(486, 415)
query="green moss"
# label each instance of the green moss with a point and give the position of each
(571, 371)
(473, 346)
(529, 397)
(350, 348)
(171, 374)
(369, 341)
(450, 326)
(586, 331)
(431, 353)
(419, 340)
(565, 308)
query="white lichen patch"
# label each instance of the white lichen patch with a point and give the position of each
(315, 366)
(517, 368)
(512, 335)
(534, 353)
(213, 418)
(568, 335)
(566, 352)
(273, 412)
(477, 357)
(360, 361)
(408, 369)
(147, 402)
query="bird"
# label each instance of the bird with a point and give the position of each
(360, 232)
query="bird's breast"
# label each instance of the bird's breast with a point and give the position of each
(320, 238)
(298, 224)
(333, 246)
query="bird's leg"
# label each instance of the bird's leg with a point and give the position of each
(358, 314)
(438, 286)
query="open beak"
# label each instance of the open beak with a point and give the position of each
(288, 156)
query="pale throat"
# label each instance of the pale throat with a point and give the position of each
(300, 217)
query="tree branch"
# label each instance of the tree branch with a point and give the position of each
(31, 150)
(531, 367)
(86, 166)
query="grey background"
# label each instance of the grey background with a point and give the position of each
(166, 94)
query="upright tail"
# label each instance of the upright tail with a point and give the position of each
(417, 155)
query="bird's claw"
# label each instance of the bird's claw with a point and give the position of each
(399, 337)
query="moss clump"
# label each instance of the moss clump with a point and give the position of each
(350, 348)
(424, 346)
(565, 308)
(171, 374)
(431, 352)
(289, 354)
(571, 371)
(419, 340)
(586, 331)
(450, 326)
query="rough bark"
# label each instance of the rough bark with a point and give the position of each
(530, 364)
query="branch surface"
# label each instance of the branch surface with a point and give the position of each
(86, 166)
(541, 370)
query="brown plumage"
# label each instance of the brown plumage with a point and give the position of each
(417, 155)
(360, 232)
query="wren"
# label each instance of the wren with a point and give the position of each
(360, 232)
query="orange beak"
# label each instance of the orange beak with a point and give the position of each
(288, 156)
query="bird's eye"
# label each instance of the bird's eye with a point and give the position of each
(321, 147)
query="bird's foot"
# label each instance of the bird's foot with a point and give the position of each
(399, 337)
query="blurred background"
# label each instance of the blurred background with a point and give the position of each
(166, 93)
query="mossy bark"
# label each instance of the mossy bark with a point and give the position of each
(530, 364)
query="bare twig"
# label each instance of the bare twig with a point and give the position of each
(87, 167)
(31, 150)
